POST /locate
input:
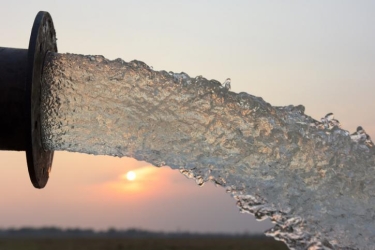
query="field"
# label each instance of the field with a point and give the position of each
(141, 244)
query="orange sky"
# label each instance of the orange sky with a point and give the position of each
(91, 191)
(317, 53)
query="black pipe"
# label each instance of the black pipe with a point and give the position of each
(13, 68)
(20, 88)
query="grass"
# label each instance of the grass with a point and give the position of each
(141, 244)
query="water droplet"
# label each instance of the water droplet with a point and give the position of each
(369, 142)
(226, 84)
(199, 180)
(328, 122)
(359, 135)
(329, 116)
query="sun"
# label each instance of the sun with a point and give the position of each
(131, 176)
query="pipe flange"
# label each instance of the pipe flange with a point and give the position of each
(42, 40)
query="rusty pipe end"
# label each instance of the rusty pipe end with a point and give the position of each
(21, 73)
(42, 40)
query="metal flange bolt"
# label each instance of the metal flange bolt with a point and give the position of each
(20, 95)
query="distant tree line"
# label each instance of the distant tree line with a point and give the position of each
(55, 232)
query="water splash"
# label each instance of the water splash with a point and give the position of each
(312, 179)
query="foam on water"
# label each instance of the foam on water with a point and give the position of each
(313, 179)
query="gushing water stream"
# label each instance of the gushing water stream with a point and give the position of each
(312, 179)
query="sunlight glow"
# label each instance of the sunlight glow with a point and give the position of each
(131, 176)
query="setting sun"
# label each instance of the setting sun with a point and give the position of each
(131, 176)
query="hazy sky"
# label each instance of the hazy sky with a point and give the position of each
(317, 53)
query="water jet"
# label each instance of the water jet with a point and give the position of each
(311, 178)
